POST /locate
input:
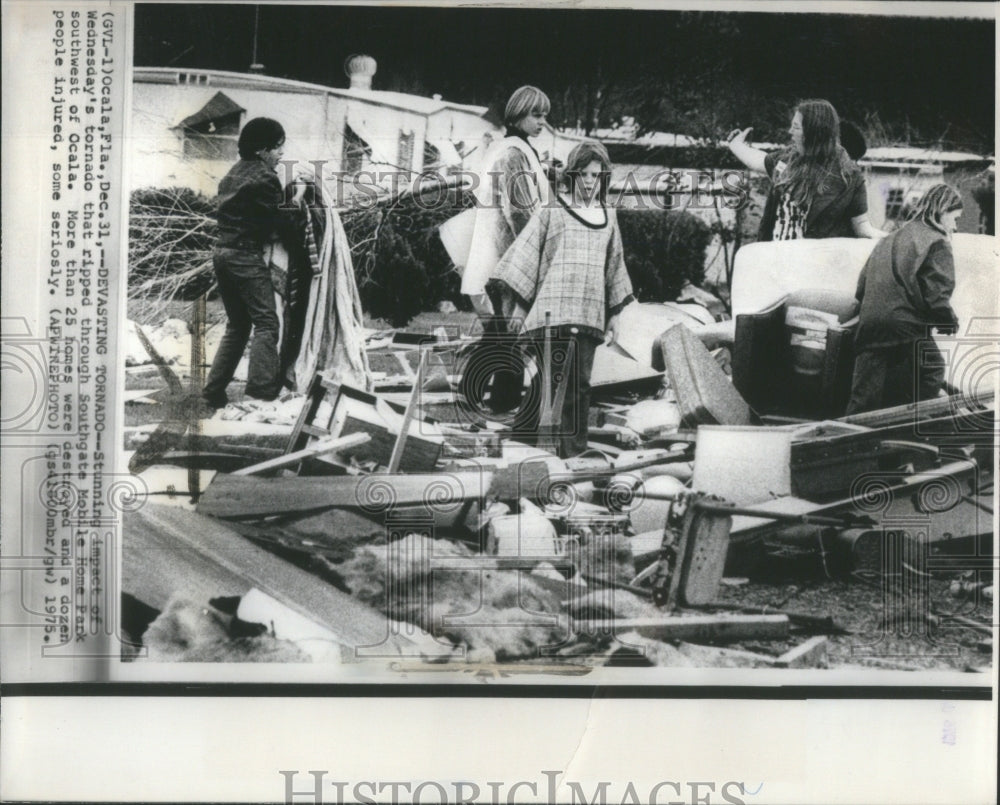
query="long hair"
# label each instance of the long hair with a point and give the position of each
(524, 101)
(260, 133)
(941, 198)
(822, 155)
(580, 157)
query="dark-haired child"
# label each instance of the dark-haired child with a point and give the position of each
(569, 262)
(250, 214)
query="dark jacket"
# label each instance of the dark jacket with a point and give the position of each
(905, 287)
(250, 209)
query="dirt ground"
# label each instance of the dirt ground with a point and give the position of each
(885, 615)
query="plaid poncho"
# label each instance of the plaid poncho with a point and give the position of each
(562, 264)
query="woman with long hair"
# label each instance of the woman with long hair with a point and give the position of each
(569, 263)
(817, 189)
(905, 291)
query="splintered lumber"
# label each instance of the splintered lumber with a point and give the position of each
(318, 448)
(252, 447)
(333, 410)
(820, 624)
(170, 551)
(709, 628)
(411, 406)
(221, 462)
(248, 497)
(809, 654)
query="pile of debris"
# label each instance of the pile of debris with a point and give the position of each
(404, 523)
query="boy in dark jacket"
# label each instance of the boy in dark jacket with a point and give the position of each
(250, 214)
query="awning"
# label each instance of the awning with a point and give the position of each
(384, 146)
(218, 107)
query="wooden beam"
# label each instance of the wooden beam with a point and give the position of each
(248, 497)
(170, 551)
(411, 406)
(318, 448)
(711, 628)
(809, 654)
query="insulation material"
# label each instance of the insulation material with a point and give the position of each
(631, 648)
(188, 632)
(653, 417)
(495, 614)
(606, 556)
(617, 604)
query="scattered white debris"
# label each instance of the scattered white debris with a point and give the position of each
(283, 411)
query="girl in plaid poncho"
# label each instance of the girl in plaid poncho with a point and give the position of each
(568, 261)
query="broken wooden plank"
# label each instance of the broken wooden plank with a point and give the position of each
(221, 462)
(247, 497)
(803, 621)
(411, 405)
(253, 447)
(169, 551)
(711, 628)
(318, 448)
(718, 657)
(809, 654)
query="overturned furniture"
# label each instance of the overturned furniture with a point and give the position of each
(796, 357)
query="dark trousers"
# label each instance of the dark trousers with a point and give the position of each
(888, 376)
(572, 429)
(248, 297)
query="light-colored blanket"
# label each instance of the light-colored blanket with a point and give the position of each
(477, 238)
(333, 338)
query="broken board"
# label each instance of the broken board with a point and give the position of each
(170, 551)
(333, 410)
(248, 497)
(712, 628)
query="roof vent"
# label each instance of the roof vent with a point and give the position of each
(360, 69)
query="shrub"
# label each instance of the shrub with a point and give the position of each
(403, 268)
(663, 250)
(401, 265)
